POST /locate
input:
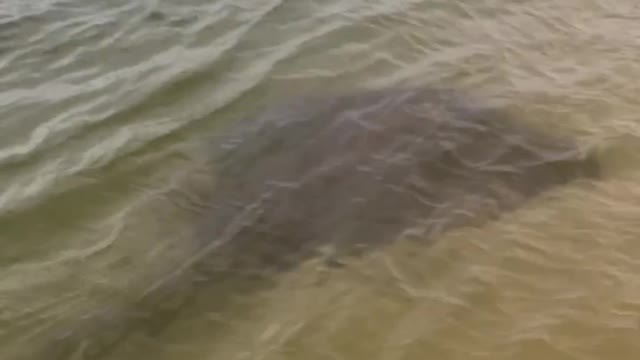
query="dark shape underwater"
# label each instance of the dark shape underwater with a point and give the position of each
(350, 173)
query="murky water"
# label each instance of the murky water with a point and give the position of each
(104, 110)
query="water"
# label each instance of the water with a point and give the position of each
(105, 107)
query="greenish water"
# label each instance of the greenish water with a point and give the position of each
(105, 107)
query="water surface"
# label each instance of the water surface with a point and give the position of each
(104, 107)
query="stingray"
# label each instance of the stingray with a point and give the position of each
(340, 175)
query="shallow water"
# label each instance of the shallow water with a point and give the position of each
(105, 107)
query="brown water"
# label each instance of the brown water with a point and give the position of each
(104, 106)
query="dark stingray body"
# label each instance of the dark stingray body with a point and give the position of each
(353, 171)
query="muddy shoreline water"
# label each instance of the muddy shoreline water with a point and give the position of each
(107, 199)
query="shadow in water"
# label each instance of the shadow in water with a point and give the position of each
(337, 176)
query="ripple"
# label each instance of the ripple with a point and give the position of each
(163, 65)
